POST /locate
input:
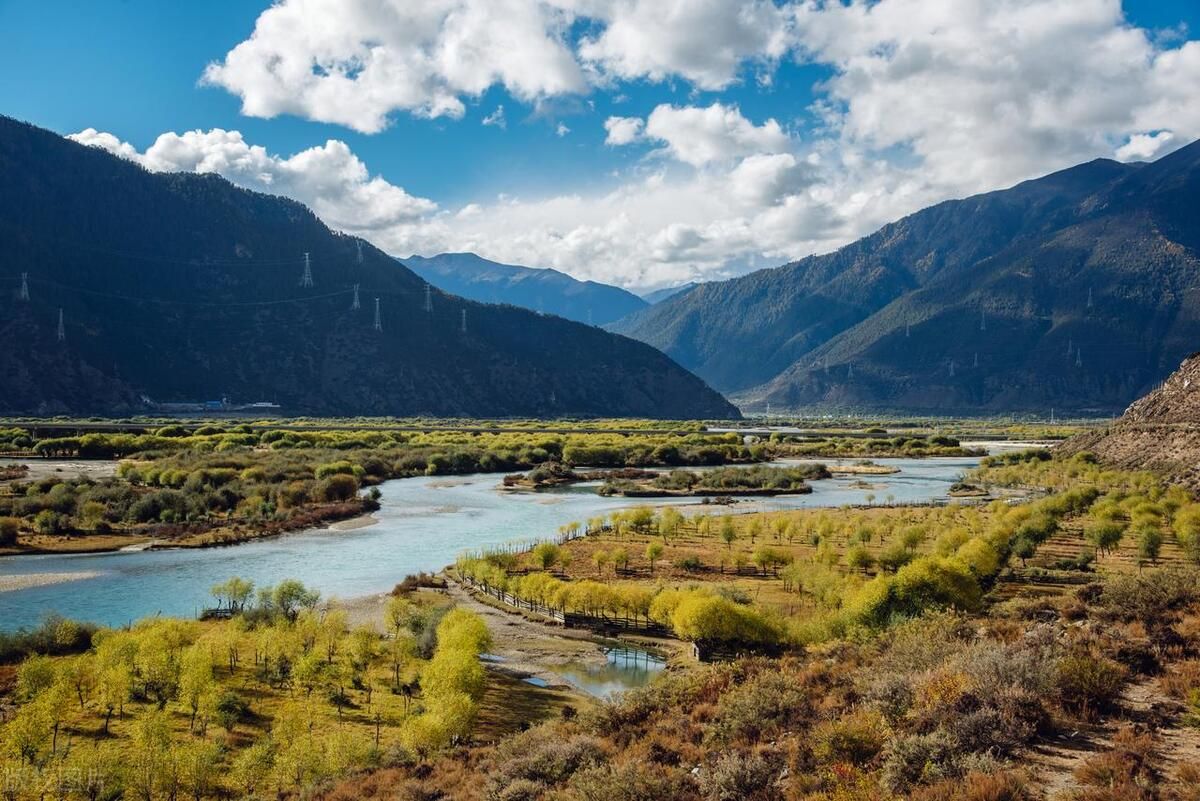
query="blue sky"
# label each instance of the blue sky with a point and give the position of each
(534, 193)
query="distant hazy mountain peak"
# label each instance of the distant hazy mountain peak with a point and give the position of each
(543, 290)
(659, 295)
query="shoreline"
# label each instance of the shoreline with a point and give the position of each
(28, 581)
(132, 543)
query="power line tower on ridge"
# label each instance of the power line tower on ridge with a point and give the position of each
(358, 242)
(428, 299)
(464, 321)
(306, 279)
(355, 305)
(25, 287)
(378, 319)
(62, 331)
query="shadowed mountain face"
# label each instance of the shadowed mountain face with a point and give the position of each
(183, 287)
(545, 291)
(1078, 290)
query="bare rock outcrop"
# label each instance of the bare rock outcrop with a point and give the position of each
(1160, 431)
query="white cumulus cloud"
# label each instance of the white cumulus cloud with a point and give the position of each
(354, 62)
(623, 130)
(1141, 147)
(330, 179)
(702, 41)
(982, 93)
(698, 136)
(922, 100)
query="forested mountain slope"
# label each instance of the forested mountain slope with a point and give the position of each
(182, 287)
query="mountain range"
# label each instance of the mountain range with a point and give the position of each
(542, 290)
(121, 285)
(1079, 290)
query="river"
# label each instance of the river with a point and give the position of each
(424, 524)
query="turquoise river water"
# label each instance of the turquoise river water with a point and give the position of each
(423, 525)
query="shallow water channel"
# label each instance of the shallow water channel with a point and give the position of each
(423, 525)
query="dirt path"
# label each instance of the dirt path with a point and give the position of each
(527, 646)
(1054, 762)
(1143, 704)
(1176, 744)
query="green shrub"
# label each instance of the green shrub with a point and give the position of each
(856, 738)
(1152, 597)
(736, 776)
(767, 704)
(1089, 684)
(918, 759)
(540, 757)
(339, 487)
(9, 528)
(631, 781)
(50, 522)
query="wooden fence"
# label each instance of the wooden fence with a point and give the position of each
(570, 620)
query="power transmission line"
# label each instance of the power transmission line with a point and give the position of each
(355, 305)
(173, 302)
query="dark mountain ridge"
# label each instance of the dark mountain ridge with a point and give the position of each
(1077, 290)
(542, 290)
(183, 287)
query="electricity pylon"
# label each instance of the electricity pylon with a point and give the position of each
(306, 278)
